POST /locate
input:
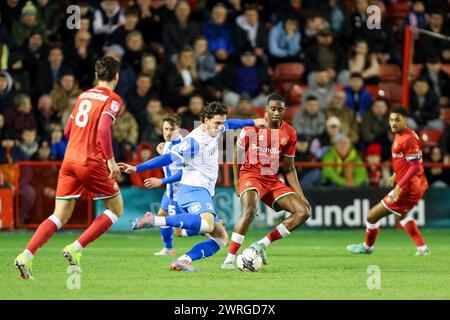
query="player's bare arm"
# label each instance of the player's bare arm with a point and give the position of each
(291, 176)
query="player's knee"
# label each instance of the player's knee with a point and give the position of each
(178, 232)
(371, 217)
(301, 214)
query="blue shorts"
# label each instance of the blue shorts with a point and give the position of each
(195, 200)
(170, 206)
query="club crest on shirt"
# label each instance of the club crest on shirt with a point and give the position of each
(283, 141)
(195, 207)
(115, 106)
(248, 184)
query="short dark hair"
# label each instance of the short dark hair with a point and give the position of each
(356, 75)
(400, 110)
(107, 68)
(131, 11)
(212, 109)
(311, 97)
(275, 97)
(173, 119)
(421, 79)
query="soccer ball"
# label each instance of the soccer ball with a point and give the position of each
(249, 260)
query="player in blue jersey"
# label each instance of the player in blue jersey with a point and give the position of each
(172, 175)
(199, 154)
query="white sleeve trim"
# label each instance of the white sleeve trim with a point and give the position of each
(413, 157)
(110, 114)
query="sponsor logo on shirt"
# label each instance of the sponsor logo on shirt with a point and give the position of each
(397, 155)
(195, 207)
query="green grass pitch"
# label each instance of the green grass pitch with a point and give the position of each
(306, 265)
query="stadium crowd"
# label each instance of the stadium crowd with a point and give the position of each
(178, 54)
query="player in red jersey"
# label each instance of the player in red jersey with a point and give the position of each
(258, 178)
(88, 165)
(410, 187)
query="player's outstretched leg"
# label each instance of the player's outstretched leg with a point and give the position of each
(372, 230)
(182, 221)
(300, 213)
(62, 213)
(409, 225)
(218, 239)
(249, 202)
(72, 252)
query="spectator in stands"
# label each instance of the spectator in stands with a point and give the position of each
(190, 118)
(310, 121)
(139, 96)
(81, 57)
(251, 31)
(424, 106)
(337, 108)
(10, 152)
(285, 41)
(126, 133)
(375, 122)
(378, 176)
(381, 40)
(28, 143)
(243, 110)
(64, 90)
(21, 116)
(10, 10)
(320, 145)
(326, 53)
(309, 177)
(134, 50)
(428, 45)
(2, 126)
(107, 18)
(219, 34)
(321, 88)
(149, 65)
(6, 91)
(358, 98)
(343, 152)
(148, 120)
(417, 17)
(45, 115)
(58, 141)
(438, 78)
(44, 152)
(437, 176)
(181, 79)
(314, 24)
(335, 11)
(50, 15)
(364, 62)
(444, 144)
(204, 61)
(249, 78)
(127, 76)
(34, 53)
(27, 24)
(180, 32)
(144, 153)
(131, 20)
(50, 71)
(19, 73)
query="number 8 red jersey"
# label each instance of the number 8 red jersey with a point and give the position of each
(84, 145)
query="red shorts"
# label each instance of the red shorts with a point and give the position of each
(269, 188)
(408, 198)
(74, 178)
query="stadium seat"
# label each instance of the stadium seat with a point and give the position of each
(429, 137)
(373, 89)
(390, 91)
(294, 94)
(288, 71)
(445, 115)
(259, 111)
(398, 10)
(390, 73)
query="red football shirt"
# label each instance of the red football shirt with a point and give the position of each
(264, 147)
(84, 145)
(406, 147)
